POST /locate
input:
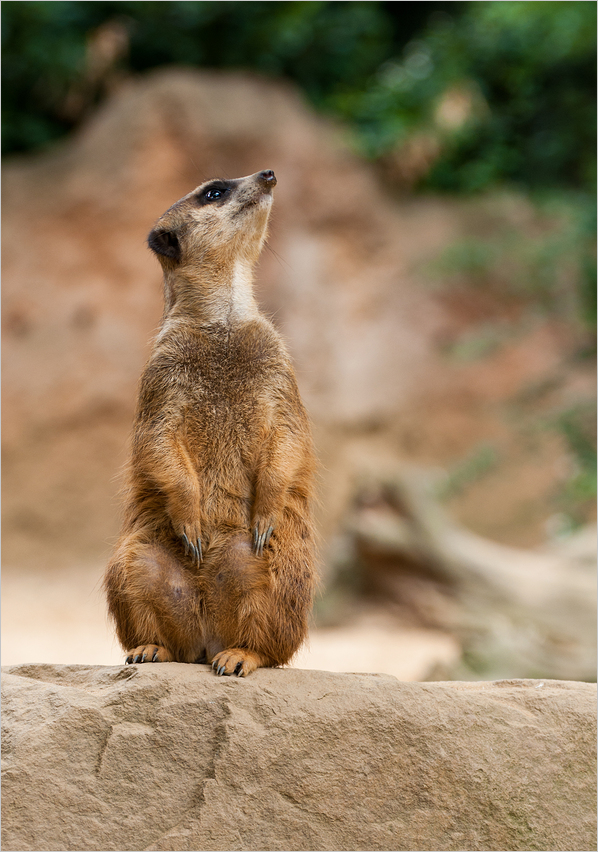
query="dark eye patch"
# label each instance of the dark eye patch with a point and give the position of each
(215, 191)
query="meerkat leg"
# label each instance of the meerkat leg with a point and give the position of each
(156, 604)
(258, 606)
(236, 585)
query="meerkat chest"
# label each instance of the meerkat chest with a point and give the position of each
(229, 368)
(224, 382)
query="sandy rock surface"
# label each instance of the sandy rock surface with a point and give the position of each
(172, 757)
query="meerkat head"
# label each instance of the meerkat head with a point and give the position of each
(220, 220)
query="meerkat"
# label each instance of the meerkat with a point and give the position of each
(216, 561)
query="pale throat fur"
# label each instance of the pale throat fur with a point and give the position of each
(227, 302)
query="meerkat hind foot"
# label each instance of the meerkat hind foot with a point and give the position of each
(237, 661)
(148, 654)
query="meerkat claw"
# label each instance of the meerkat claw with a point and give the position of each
(193, 550)
(260, 541)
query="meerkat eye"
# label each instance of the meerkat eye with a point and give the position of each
(213, 193)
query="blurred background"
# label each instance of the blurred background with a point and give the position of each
(431, 263)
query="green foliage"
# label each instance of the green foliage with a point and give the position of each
(531, 68)
(534, 63)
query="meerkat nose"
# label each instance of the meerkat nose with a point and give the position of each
(267, 177)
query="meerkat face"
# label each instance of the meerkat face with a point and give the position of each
(219, 218)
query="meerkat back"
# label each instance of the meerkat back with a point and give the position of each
(215, 562)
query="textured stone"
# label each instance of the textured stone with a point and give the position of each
(171, 757)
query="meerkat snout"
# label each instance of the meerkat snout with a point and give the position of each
(267, 177)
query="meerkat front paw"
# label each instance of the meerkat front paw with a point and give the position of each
(262, 531)
(148, 654)
(185, 523)
(190, 536)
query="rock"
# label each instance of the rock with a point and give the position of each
(172, 757)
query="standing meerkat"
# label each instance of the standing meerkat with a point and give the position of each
(215, 561)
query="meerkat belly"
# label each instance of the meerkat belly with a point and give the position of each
(225, 427)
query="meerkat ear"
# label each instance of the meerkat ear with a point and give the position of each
(165, 243)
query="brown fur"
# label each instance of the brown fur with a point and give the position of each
(215, 562)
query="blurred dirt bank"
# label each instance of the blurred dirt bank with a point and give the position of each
(347, 279)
